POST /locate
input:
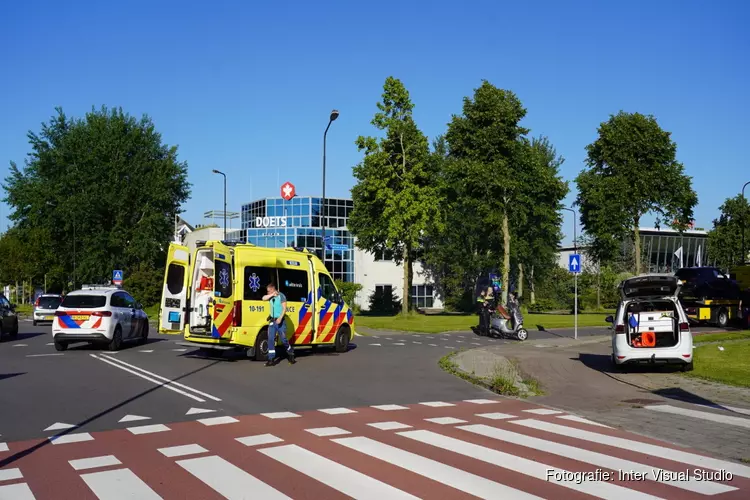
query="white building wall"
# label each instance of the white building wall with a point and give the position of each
(370, 273)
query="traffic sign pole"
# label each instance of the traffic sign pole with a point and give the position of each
(575, 307)
(574, 266)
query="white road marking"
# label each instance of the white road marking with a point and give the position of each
(148, 429)
(259, 439)
(445, 474)
(375, 344)
(389, 426)
(495, 416)
(576, 418)
(398, 343)
(167, 384)
(50, 343)
(182, 451)
(227, 479)
(703, 415)
(94, 462)
(280, 414)
(437, 404)
(327, 431)
(594, 458)
(196, 411)
(71, 438)
(179, 350)
(3, 446)
(59, 426)
(521, 465)
(460, 341)
(637, 446)
(744, 411)
(390, 407)
(415, 342)
(475, 343)
(19, 491)
(119, 484)
(432, 345)
(337, 411)
(449, 347)
(543, 411)
(146, 350)
(388, 338)
(339, 477)
(132, 418)
(20, 345)
(44, 355)
(218, 420)
(10, 474)
(445, 420)
(481, 401)
(375, 336)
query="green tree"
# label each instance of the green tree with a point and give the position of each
(537, 232)
(349, 292)
(486, 151)
(394, 198)
(102, 189)
(725, 239)
(632, 171)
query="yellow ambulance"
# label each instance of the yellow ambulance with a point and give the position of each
(214, 297)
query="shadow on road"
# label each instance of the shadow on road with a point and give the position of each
(603, 363)
(126, 346)
(234, 355)
(28, 451)
(3, 376)
(22, 336)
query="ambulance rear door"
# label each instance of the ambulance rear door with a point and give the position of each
(223, 299)
(175, 290)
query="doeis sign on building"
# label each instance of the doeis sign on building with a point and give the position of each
(270, 221)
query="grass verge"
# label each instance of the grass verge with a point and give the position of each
(499, 382)
(728, 366)
(436, 323)
(720, 337)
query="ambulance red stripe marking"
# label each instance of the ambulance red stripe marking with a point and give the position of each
(227, 322)
(336, 325)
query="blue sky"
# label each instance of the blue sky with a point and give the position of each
(247, 87)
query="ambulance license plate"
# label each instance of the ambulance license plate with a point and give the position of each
(80, 317)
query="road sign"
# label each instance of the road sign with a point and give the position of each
(336, 246)
(574, 263)
(117, 277)
(288, 191)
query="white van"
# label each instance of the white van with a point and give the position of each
(650, 326)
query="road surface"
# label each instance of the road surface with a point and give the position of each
(380, 421)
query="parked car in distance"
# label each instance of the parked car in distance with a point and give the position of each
(8, 318)
(45, 307)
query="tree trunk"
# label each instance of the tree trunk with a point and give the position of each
(599, 288)
(637, 246)
(520, 281)
(532, 290)
(506, 258)
(407, 288)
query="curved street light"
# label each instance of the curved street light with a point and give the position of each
(744, 255)
(324, 212)
(225, 201)
(575, 275)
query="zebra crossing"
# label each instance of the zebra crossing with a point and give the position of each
(482, 448)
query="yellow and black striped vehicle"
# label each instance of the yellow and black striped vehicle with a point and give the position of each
(213, 297)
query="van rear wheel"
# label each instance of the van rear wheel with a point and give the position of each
(342, 339)
(261, 345)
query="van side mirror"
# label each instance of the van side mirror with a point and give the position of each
(339, 298)
(609, 319)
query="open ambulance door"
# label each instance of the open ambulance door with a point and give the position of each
(223, 299)
(174, 295)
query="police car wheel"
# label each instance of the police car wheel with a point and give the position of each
(60, 346)
(342, 339)
(144, 333)
(261, 345)
(116, 342)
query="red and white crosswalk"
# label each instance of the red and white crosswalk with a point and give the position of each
(493, 449)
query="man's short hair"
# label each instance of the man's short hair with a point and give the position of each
(270, 285)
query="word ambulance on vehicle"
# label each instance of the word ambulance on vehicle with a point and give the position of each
(214, 297)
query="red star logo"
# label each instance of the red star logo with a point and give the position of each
(287, 191)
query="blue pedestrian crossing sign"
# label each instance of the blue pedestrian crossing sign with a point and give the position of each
(574, 263)
(117, 277)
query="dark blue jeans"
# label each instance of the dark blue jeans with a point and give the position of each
(273, 329)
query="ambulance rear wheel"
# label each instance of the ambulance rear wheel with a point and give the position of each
(342, 339)
(261, 345)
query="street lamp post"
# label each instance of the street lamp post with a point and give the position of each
(744, 255)
(575, 274)
(225, 201)
(334, 115)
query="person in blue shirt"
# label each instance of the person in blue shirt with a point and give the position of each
(278, 325)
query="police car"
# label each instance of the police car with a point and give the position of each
(104, 315)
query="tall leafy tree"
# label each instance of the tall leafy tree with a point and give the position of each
(725, 239)
(395, 199)
(103, 189)
(486, 151)
(632, 171)
(538, 232)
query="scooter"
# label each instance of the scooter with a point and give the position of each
(500, 327)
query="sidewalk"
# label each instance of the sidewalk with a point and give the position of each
(576, 376)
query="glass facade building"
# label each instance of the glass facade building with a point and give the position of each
(303, 228)
(659, 248)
